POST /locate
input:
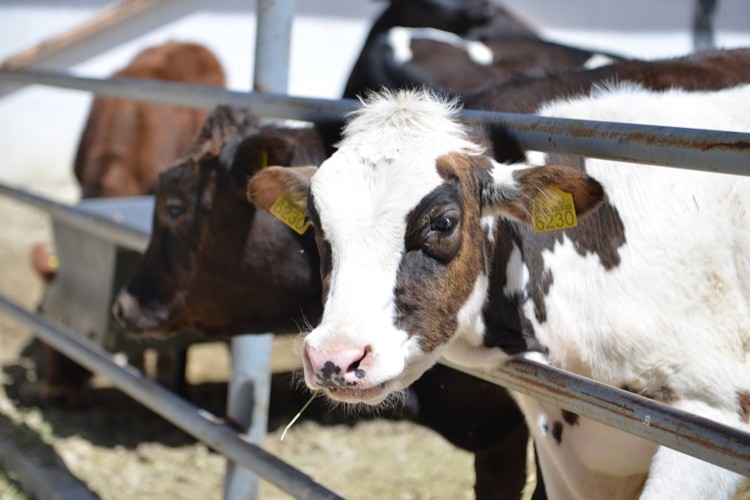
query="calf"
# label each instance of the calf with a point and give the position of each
(207, 239)
(124, 146)
(427, 249)
(219, 267)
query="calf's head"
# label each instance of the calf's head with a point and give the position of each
(208, 240)
(402, 214)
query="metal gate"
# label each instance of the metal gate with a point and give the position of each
(713, 151)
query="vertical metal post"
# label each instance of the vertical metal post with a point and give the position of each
(703, 25)
(249, 389)
(247, 405)
(272, 45)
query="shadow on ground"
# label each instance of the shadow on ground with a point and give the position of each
(112, 418)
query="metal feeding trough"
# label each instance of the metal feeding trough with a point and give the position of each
(92, 270)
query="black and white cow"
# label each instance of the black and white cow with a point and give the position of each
(416, 57)
(427, 250)
(474, 19)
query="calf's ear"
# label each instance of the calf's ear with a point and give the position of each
(513, 191)
(261, 150)
(265, 187)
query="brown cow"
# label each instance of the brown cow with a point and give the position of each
(124, 146)
(208, 243)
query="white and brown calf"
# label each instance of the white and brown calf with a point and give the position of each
(427, 250)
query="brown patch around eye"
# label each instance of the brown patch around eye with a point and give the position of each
(431, 288)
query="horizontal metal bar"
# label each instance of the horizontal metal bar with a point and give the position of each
(707, 150)
(108, 229)
(690, 434)
(193, 96)
(695, 149)
(201, 424)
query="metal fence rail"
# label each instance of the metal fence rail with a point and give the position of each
(696, 149)
(690, 434)
(195, 421)
(107, 229)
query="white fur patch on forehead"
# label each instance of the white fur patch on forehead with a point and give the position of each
(390, 121)
(386, 163)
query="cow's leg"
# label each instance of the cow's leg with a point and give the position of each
(501, 470)
(675, 475)
(170, 369)
(65, 383)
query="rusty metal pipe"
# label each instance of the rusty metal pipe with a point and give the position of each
(690, 434)
(695, 149)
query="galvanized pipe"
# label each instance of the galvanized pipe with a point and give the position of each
(690, 434)
(250, 384)
(707, 150)
(272, 45)
(703, 24)
(199, 423)
(108, 229)
(192, 96)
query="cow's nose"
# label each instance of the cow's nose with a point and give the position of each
(123, 308)
(339, 368)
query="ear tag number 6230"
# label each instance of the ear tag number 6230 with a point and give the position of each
(290, 213)
(553, 209)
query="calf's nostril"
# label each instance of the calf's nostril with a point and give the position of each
(355, 367)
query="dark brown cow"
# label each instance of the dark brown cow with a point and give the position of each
(220, 267)
(206, 236)
(124, 146)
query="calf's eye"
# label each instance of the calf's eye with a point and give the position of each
(443, 224)
(174, 210)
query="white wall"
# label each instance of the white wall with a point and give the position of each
(40, 126)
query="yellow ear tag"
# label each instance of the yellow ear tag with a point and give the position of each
(263, 158)
(553, 209)
(53, 262)
(290, 213)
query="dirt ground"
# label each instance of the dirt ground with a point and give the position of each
(121, 450)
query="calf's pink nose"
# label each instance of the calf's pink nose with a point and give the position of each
(342, 368)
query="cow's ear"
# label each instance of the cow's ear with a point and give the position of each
(262, 150)
(268, 185)
(219, 127)
(518, 191)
